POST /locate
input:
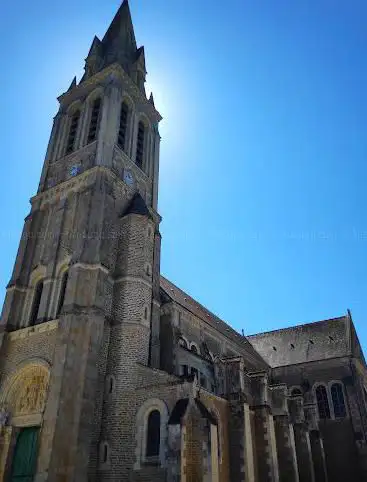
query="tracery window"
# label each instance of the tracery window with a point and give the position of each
(121, 141)
(153, 434)
(322, 402)
(74, 122)
(337, 397)
(94, 120)
(36, 303)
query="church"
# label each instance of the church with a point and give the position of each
(111, 373)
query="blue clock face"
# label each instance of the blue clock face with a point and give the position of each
(74, 171)
(128, 177)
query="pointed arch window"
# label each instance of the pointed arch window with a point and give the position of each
(322, 402)
(121, 141)
(73, 129)
(64, 282)
(337, 397)
(94, 120)
(153, 434)
(140, 145)
(36, 303)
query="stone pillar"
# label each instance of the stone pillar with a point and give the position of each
(5, 448)
(286, 450)
(318, 456)
(266, 450)
(50, 154)
(317, 446)
(302, 440)
(173, 461)
(61, 138)
(109, 124)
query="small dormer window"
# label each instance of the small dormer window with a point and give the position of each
(94, 120)
(70, 146)
(121, 141)
(140, 145)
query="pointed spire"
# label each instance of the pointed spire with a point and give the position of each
(119, 41)
(140, 58)
(95, 49)
(72, 85)
(151, 99)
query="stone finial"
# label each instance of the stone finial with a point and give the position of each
(295, 405)
(279, 399)
(310, 412)
(259, 385)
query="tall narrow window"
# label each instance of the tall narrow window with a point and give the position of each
(121, 141)
(72, 132)
(337, 397)
(140, 145)
(36, 303)
(94, 119)
(153, 434)
(64, 282)
(322, 402)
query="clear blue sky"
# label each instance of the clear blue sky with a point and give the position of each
(264, 146)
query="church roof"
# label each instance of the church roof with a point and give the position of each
(191, 305)
(310, 342)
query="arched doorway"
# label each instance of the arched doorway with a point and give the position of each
(24, 396)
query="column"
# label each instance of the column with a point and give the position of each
(286, 450)
(302, 440)
(266, 449)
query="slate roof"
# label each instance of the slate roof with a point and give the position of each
(191, 305)
(315, 341)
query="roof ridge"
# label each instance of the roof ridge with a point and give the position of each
(296, 326)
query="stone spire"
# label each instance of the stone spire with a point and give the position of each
(119, 42)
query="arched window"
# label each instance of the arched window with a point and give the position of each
(140, 145)
(153, 434)
(64, 282)
(36, 303)
(337, 397)
(70, 145)
(322, 402)
(94, 120)
(121, 141)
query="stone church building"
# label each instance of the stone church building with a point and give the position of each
(110, 372)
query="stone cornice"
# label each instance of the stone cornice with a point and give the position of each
(83, 180)
(32, 330)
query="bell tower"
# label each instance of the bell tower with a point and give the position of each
(83, 298)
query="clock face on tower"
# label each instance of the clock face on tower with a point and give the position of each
(128, 177)
(74, 170)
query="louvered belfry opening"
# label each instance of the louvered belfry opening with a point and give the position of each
(121, 141)
(94, 120)
(140, 145)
